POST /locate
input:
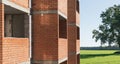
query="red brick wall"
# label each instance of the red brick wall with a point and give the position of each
(62, 6)
(72, 58)
(45, 37)
(45, 5)
(12, 50)
(72, 32)
(45, 31)
(62, 48)
(78, 46)
(77, 18)
(23, 3)
(62, 43)
(1, 29)
(1, 20)
(15, 50)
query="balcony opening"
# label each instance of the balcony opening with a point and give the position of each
(62, 27)
(77, 6)
(78, 33)
(16, 23)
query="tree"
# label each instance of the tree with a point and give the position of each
(109, 30)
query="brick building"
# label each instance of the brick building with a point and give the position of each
(39, 32)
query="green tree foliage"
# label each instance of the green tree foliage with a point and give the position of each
(109, 30)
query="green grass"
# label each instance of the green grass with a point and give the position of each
(99, 57)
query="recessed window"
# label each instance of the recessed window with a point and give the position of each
(78, 33)
(15, 25)
(62, 27)
(77, 6)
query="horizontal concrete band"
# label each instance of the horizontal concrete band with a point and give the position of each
(74, 53)
(63, 15)
(50, 61)
(49, 12)
(63, 60)
(72, 24)
(27, 62)
(45, 12)
(78, 52)
(45, 61)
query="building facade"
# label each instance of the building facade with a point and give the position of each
(39, 32)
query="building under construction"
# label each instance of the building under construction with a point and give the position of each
(39, 32)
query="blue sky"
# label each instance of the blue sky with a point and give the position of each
(90, 11)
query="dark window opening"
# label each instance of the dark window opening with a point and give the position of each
(77, 6)
(62, 27)
(15, 25)
(78, 33)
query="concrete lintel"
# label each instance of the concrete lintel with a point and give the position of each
(45, 61)
(77, 25)
(45, 12)
(6, 2)
(63, 15)
(50, 61)
(62, 60)
(27, 62)
(78, 52)
(73, 24)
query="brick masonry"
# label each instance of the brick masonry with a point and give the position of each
(12, 50)
(1, 29)
(23, 3)
(45, 39)
(73, 45)
(55, 39)
(62, 6)
(15, 50)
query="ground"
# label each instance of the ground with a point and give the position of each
(99, 57)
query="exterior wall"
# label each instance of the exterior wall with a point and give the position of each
(72, 32)
(15, 50)
(72, 57)
(62, 6)
(47, 45)
(63, 42)
(45, 39)
(12, 50)
(78, 32)
(1, 29)
(78, 46)
(63, 48)
(23, 3)
(77, 18)
(44, 5)
(45, 32)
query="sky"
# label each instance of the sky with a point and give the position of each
(90, 11)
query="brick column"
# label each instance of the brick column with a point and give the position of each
(45, 32)
(1, 29)
(72, 32)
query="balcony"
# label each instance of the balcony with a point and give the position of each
(16, 23)
(22, 5)
(62, 7)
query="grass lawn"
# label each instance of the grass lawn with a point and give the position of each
(99, 57)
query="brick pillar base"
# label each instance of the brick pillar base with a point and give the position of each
(1, 29)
